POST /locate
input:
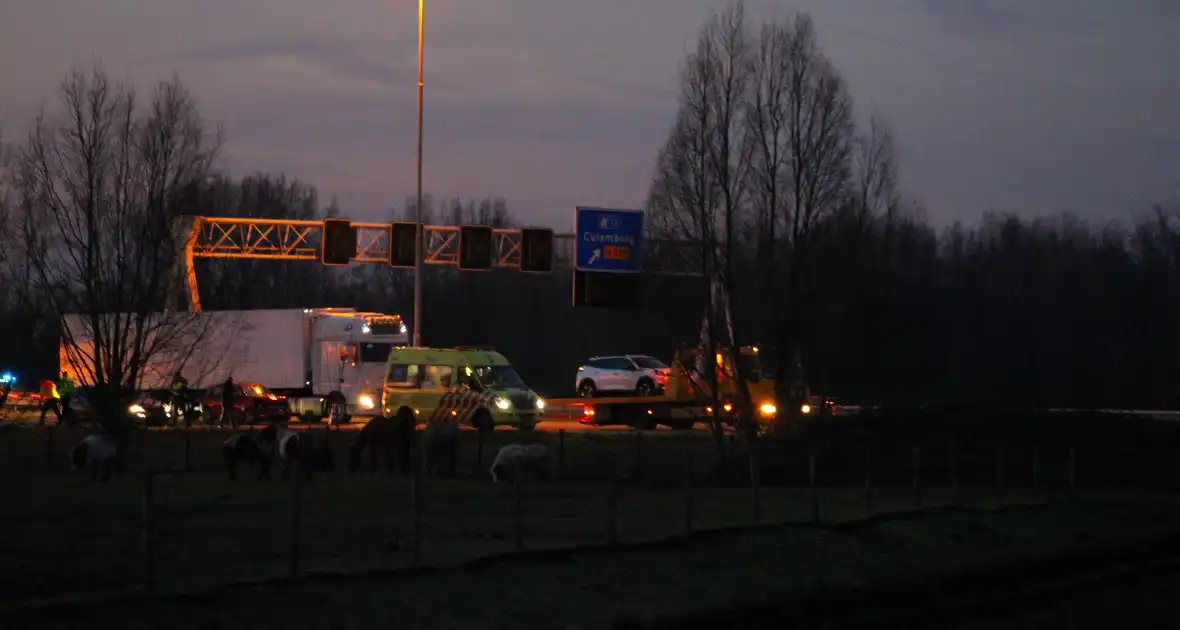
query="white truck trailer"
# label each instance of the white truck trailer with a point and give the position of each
(328, 362)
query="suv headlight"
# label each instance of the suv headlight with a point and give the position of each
(503, 404)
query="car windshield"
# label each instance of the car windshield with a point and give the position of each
(649, 363)
(374, 352)
(498, 377)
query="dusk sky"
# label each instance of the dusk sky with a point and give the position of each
(1021, 105)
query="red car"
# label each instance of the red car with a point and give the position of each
(253, 404)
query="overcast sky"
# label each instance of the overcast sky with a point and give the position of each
(1021, 105)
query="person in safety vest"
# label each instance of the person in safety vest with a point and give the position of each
(65, 388)
(49, 401)
(179, 398)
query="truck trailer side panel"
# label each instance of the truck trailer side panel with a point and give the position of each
(264, 346)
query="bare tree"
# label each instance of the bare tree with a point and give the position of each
(699, 189)
(100, 188)
(802, 132)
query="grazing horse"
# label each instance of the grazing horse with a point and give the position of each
(388, 434)
(440, 443)
(301, 449)
(244, 447)
(531, 459)
(99, 451)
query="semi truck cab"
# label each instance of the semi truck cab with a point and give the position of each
(349, 351)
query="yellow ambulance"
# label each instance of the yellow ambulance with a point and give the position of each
(477, 387)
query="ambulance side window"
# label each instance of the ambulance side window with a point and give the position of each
(438, 376)
(403, 376)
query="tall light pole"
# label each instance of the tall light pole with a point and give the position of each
(420, 246)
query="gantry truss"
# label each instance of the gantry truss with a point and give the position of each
(281, 239)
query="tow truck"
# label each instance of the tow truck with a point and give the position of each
(687, 397)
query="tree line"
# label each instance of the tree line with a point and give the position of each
(802, 223)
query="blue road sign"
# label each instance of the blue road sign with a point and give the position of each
(608, 240)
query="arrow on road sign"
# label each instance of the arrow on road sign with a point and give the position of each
(594, 256)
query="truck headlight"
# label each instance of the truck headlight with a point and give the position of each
(136, 409)
(503, 404)
(365, 401)
(540, 404)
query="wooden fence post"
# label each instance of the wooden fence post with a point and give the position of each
(296, 518)
(48, 457)
(688, 498)
(755, 491)
(479, 449)
(814, 487)
(1036, 468)
(560, 450)
(917, 464)
(1000, 467)
(637, 470)
(518, 504)
(956, 495)
(149, 547)
(611, 502)
(869, 479)
(1073, 468)
(188, 449)
(416, 511)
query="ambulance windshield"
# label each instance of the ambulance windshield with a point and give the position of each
(498, 377)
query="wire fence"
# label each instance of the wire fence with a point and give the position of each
(177, 523)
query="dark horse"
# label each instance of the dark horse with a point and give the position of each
(302, 450)
(389, 434)
(246, 447)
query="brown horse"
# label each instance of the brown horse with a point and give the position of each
(388, 434)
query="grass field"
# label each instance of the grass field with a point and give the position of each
(593, 589)
(66, 537)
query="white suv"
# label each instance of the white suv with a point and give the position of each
(631, 373)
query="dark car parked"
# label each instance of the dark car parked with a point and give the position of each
(253, 404)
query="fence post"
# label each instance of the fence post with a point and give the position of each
(48, 457)
(956, 496)
(869, 478)
(637, 471)
(479, 449)
(416, 511)
(296, 518)
(688, 498)
(1073, 468)
(1036, 470)
(814, 488)
(560, 450)
(1000, 467)
(188, 449)
(611, 502)
(917, 463)
(755, 494)
(149, 547)
(518, 504)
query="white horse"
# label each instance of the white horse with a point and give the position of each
(99, 451)
(532, 459)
